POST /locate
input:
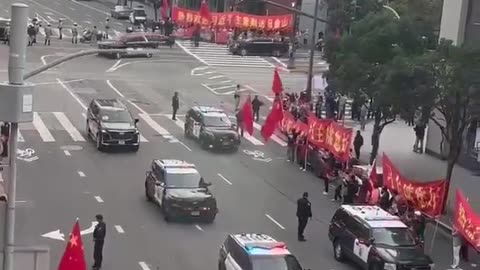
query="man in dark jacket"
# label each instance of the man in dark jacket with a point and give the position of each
(357, 144)
(239, 116)
(98, 238)
(419, 134)
(304, 212)
(175, 105)
(291, 143)
(256, 104)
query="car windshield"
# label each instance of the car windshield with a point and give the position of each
(183, 180)
(288, 262)
(140, 13)
(393, 236)
(116, 116)
(217, 121)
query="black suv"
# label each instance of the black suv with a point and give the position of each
(211, 127)
(109, 123)
(180, 190)
(255, 252)
(375, 240)
(260, 46)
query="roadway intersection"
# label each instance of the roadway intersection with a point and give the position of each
(71, 179)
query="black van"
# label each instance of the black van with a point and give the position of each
(260, 46)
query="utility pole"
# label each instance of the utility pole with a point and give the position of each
(293, 37)
(16, 106)
(312, 54)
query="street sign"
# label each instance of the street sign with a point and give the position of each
(58, 235)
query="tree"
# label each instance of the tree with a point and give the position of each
(454, 94)
(370, 62)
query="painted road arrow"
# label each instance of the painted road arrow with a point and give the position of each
(57, 235)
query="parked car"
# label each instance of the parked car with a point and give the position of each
(135, 43)
(121, 12)
(259, 46)
(138, 16)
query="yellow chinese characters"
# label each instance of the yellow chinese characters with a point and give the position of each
(221, 20)
(189, 17)
(276, 24)
(270, 23)
(253, 22)
(246, 21)
(181, 16)
(337, 143)
(261, 23)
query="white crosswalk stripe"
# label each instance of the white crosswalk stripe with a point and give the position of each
(218, 55)
(69, 127)
(42, 129)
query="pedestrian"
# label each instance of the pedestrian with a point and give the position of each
(331, 172)
(351, 190)
(240, 128)
(99, 234)
(107, 27)
(256, 104)
(341, 107)
(36, 26)
(357, 144)
(304, 212)
(291, 142)
(236, 97)
(338, 190)
(306, 35)
(48, 34)
(456, 244)
(175, 105)
(93, 39)
(318, 107)
(31, 34)
(419, 135)
(419, 225)
(363, 116)
(74, 33)
(60, 28)
(7, 34)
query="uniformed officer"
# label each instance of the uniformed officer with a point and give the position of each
(98, 239)
(304, 212)
(74, 33)
(175, 105)
(60, 27)
(48, 34)
(107, 27)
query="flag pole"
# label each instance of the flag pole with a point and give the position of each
(433, 238)
(306, 154)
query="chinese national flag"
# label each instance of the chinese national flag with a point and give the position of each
(73, 257)
(273, 118)
(277, 86)
(372, 178)
(204, 11)
(247, 115)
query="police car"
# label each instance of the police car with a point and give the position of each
(375, 240)
(255, 252)
(211, 127)
(177, 187)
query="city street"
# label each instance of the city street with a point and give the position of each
(62, 176)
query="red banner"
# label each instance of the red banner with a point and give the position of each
(323, 133)
(184, 16)
(466, 221)
(424, 196)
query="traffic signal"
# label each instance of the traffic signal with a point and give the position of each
(3, 195)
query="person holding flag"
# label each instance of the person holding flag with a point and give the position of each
(246, 115)
(276, 114)
(73, 257)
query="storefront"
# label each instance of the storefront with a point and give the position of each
(214, 5)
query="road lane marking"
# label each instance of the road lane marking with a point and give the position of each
(192, 54)
(179, 123)
(74, 133)
(20, 137)
(119, 229)
(274, 221)
(81, 174)
(84, 115)
(55, 82)
(216, 77)
(64, 86)
(252, 139)
(123, 96)
(143, 139)
(52, 10)
(224, 87)
(198, 227)
(160, 130)
(184, 145)
(144, 266)
(113, 68)
(90, 7)
(67, 153)
(224, 179)
(42, 128)
(274, 137)
(98, 199)
(280, 62)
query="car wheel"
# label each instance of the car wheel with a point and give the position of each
(99, 142)
(87, 129)
(277, 53)
(338, 251)
(149, 198)
(243, 52)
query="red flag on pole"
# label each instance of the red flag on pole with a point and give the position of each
(204, 11)
(247, 115)
(73, 257)
(277, 86)
(164, 9)
(273, 118)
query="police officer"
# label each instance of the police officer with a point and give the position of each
(107, 27)
(98, 239)
(60, 27)
(304, 212)
(74, 33)
(48, 34)
(175, 105)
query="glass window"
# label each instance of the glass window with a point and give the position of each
(140, 13)
(183, 180)
(114, 116)
(288, 262)
(393, 236)
(216, 121)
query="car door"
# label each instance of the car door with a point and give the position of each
(361, 246)
(196, 125)
(348, 235)
(160, 185)
(93, 119)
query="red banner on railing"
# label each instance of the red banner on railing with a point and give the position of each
(466, 221)
(323, 133)
(185, 16)
(424, 196)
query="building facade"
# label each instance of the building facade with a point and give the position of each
(461, 24)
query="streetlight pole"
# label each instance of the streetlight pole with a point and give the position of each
(291, 55)
(312, 54)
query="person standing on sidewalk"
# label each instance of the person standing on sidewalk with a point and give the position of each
(48, 34)
(107, 27)
(419, 135)
(31, 34)
(291, 142)
(357, 144)
(99, 234)
(304, 212)
(363, 116)
(74, 33)
(175, 105)
(60, 28)
(236, 97)
(457, 244)
(256, 104)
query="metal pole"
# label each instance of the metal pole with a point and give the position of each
(293, 36)
(16, 67)
(312, 54)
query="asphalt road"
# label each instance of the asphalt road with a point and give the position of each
(71, 179)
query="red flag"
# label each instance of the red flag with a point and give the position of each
(274, 117)
(277, 86)
(73, 257)
(247, 115)
(164, 9)
(204, 11)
